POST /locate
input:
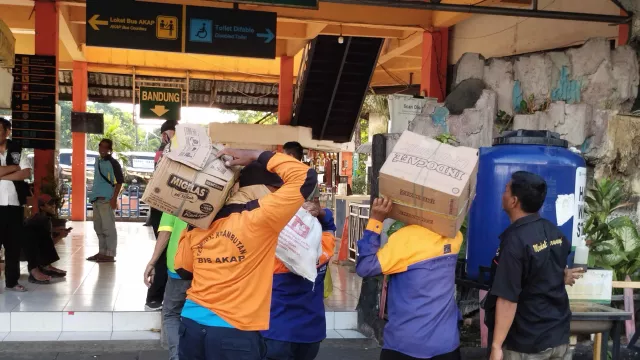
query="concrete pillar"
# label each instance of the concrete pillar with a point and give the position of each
(285, 91)
(79, 145)
(623, 31)
(46, 43)
(435, 53)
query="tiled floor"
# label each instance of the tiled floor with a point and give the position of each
(109, 298)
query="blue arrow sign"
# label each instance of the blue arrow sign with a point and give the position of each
(268, 36)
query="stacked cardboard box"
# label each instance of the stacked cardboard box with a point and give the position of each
(190, 182)
(431, 184)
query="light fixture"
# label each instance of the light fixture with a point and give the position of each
(340, 38)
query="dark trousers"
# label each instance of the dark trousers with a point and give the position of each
(284, 350)
(40, 251)
(156, 290)
(11, 219)
(199, 342)
(394, 355)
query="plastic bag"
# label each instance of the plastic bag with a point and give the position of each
(328, 284)
(300, 245)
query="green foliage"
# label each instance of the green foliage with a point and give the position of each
(614, 241)
(118, 126)
(359, 184)
(54, 189)
(376, 104)
(503, 121)
(253, 117)
(447, 138)
(528, 105)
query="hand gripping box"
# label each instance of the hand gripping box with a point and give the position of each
(431, 184)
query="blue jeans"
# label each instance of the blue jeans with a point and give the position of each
(175, 294)
(284, 350)
(200, 342)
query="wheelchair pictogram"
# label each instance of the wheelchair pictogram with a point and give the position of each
(200, 30)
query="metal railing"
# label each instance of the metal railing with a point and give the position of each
(130, 206)
(358, 217)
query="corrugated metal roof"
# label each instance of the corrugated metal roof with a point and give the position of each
(232, 95)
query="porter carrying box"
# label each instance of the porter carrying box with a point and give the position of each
(431, 184)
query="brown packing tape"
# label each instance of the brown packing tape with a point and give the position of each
(443, 215)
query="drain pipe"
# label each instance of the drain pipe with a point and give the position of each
(488, 10)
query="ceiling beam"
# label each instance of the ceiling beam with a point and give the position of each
(350, 30)
(444, 19)
(396, 47)
(67, 36)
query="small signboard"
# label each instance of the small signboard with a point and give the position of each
(146, 25)
(88, 123)
(217, 31)
(33, 102)
(134, 25)
(160, 103)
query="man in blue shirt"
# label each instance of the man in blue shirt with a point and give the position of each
(107, 183)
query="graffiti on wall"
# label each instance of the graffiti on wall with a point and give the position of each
(567, 90)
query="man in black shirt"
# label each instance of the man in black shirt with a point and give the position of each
(528, 306)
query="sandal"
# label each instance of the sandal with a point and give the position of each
(17, 288)
(94, 257)
(53, 273)
(33, 280)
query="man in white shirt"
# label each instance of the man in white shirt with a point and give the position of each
(14, 170)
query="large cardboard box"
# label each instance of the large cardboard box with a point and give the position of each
(431, 184)
(190, 182)
(192, 195)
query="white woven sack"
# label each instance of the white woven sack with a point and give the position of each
(300, 245)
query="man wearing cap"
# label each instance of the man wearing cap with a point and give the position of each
(14, 170)
(232, 261)
(39, 245)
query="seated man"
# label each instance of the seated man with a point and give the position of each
(423, 315)
(298, 321)
(39, 245)
(232, 261)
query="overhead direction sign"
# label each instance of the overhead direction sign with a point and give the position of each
(175, 28)
(34, 102)
(160, 103)
(217, 31)
(309, 4)
(134, 25)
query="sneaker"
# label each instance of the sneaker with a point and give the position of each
(153, 306)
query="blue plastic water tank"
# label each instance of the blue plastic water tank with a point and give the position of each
(540, 152)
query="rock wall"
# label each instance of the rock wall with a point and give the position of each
(591, 74)
(573, 92)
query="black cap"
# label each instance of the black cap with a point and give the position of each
(168, 125)
(256, 174)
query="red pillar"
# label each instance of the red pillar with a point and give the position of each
(285, 91)
(623, 31)
(79, 145)
(46, 13)
(435, 54)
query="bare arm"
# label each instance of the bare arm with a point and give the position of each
(161, 244)
(19, 175)
(505, 313)
(6, 170)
